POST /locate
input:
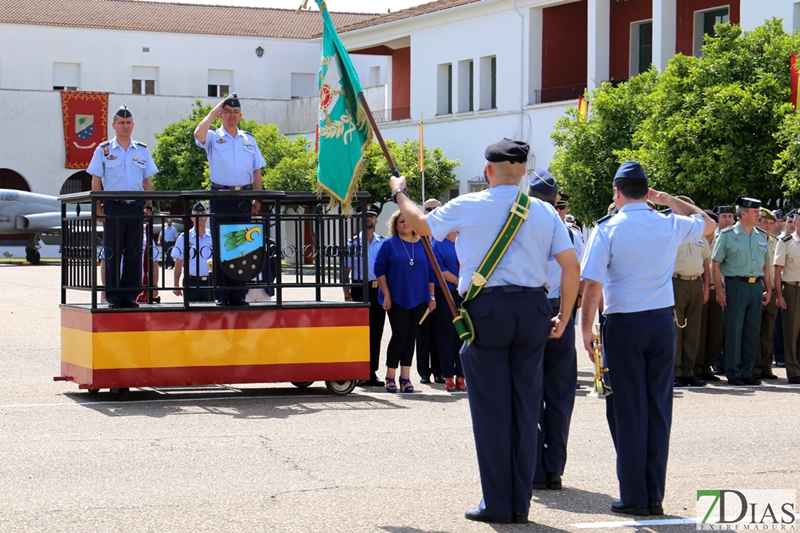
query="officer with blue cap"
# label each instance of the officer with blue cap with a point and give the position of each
(234, 162)
(125, 165)
(640, 366)
(200, 247)
(510, 315)
(560, 371)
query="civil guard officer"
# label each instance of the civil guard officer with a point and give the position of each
(690, 287)
(560, 371)
(510, 318)
(201, 246)
(787, 267)
(377, 315)
(710, 345)
(725, 214)
(762, 368)
(122, 164)
(234, 162)
(741, 256)
(639, 301)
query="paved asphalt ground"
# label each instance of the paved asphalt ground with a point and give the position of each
(276, 458)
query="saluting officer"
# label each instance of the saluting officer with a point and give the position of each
(560, 371)
(638, 334)
(762, 368)
(741, 256)
(377, 315)
(122, 164)
(690, 285)
(787, 267)
(234, 162)
(511, 320)
(201, 246)
(710, 345)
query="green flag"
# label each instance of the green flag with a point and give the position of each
(344, 130)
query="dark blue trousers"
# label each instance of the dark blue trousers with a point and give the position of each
(559, 381)
(741, 323)
(228, 211)
(503, 367)
(122, 244)
(446, 336)
(640, 351)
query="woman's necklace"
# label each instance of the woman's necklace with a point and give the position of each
(410, 257)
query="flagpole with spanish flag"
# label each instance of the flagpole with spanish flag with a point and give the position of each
(583, 109)
(344, 129)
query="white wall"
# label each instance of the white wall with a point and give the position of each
(754, 12)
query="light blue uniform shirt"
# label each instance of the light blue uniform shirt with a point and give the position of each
(231, 160)
(205, 245)
(169, 234)
(633, 255)
(478, 218)
(554, 269)
(120, 169)
(354, 261)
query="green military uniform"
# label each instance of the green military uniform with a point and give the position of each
(762, 367)
(787, 255)
(710, 332)
(687, 286)
(742, 258)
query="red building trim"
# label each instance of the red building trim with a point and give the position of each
(684, 39)
(564, 45)
(622, 16)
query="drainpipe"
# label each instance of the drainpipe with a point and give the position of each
(521, 67)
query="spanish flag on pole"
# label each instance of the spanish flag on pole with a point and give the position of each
(344, 130)
(795, 92)
(583, 109)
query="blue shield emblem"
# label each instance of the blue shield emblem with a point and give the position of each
(84, 126)
(242, 251)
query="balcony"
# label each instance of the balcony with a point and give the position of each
(558, 94)
(390, 115)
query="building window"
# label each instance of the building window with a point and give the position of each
(453, 193)
(144, 80)
(488, 76)
(304, 85)
(219, 82)
(477, 184)
(444, 89)
(466, 86)
(66, 76)
(796, 16)
(704, 22)
(374, 76)
(641, 47)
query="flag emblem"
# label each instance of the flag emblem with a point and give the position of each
(242, 253)
(84, 126)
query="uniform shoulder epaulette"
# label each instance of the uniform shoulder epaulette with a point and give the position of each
(105, 143)
(787, 238)
(729, 228)
(600, 221)
(140, 143)
(247, 133)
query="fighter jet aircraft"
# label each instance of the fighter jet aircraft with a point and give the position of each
(39, 216)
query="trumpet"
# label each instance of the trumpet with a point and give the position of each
(599, 389)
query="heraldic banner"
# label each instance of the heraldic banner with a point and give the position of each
(85, 125)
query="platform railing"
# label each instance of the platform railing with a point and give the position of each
(311, 250)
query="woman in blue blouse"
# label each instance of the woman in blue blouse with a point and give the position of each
(446, 335)
(405, 277)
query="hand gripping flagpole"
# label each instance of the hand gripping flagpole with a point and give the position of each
(396, 173)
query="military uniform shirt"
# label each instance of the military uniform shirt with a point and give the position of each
(232, 160)
(772, 244)
(354, 258)
(205, 246)
(478, 218)
(787, 255)
(740, 254)
(633, 253)
(690, 257)
(169, 234)
(554, 269)
(120, 169)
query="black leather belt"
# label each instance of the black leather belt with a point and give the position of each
(199, 278)
(747, 279)
(511, 289)
(373, 283)
(554, 302)
(215, 187)
(685, 278)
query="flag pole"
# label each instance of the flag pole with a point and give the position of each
(396, 173)
(421, 159)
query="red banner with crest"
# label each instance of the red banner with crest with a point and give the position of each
(85, 116)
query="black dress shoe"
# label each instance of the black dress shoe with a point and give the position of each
(738, 382)
(694, 382)
(794, 380)
(114, 305)
(751, 381)
(481, 516)
(237, 303)
(128, 305)
(370, 383)
(655, 508)
(520, 518)
(221, 303)
(678, 382)
(769, 376)
(440, 380)
(425, 380)
(540, 486)
(719, 371)
(707, 377)
(639, 510)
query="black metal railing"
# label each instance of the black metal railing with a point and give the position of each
(311, 249)
(389, 115)
(558, 94)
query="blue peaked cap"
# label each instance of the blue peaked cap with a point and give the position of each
(631, 170)
(543, 182)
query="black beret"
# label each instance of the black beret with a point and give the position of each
(232, 100)
(631, 170)
(711, 214)
(199, 207)
(543, 182)
(722, 209)
(507, 150)
(124, 112)
(744, 201)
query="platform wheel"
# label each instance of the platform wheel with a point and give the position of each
(92, 391)
(302, 384)
(341, 388)
(120, 394)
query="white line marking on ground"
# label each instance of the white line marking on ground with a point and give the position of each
(636, 523)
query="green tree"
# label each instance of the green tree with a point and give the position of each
(182, 165)
(440, 174)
